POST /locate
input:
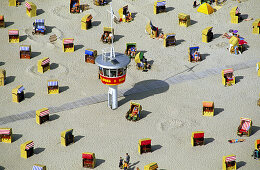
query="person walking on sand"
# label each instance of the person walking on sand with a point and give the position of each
(121, 163)
(127, 158)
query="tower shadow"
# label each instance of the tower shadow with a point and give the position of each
(144, 89)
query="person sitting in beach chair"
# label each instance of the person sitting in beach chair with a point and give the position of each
(151, 30)
(74, 6)
(124, 14)
(194, 55)
(229, 162)
(130, 50)
(245, 127)
(141, 62)
(228, 77)
(107, 35)
(38, 27)
(256, 153)
(134, 112)
(100, 2)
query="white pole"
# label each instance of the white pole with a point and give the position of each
(112, 53)
(113, 94)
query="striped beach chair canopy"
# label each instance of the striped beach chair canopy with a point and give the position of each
(27, 5)
(44, 113)
(39, 21)
(20, 90)
(53, 83)
(46, 61)
(4, 131)
(228, 71)
(230, 159)
(13, 32)
(68, 41)
(24, 48)
(29, 146)
(161, 3)
(246, 124)
(35, 167)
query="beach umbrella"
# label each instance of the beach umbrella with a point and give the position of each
(205, 8)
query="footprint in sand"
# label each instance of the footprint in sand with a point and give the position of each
(64, 13)
(43, 40)
(57, 70)
(222, 44)
(170, 124)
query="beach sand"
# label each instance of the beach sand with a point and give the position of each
(169, 115)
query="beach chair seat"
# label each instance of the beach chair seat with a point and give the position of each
(245, 127)
(197, 138)
(134, 112)
(74, 6)
(130, 50)
(191, 52)
(228, 78)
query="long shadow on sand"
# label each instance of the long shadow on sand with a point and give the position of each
(77, 47)
(178, 42)
(132, 165)
(216, 36)
(29, 95)
(192, 22)
(16, 137)
(144, 113)
(49, 29)
(96, 23)
(168, 9)
(240, 164)
(54, 117)
(204, 56)
(38, 150)
(117, 37)
(255, 129)
(208, 140)
(2, 63)
(99, 162)
(156, 147)
(218, 110)
(23, 37)
(238, 78)
(9, 79)
(53, 66)
(144, 89)
(35, 54)
(63, 88)
(40, 11)
(77, 138)
(7, 24)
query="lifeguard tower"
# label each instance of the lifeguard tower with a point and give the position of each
(112, 70)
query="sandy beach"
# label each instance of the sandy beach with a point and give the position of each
(170, 114)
